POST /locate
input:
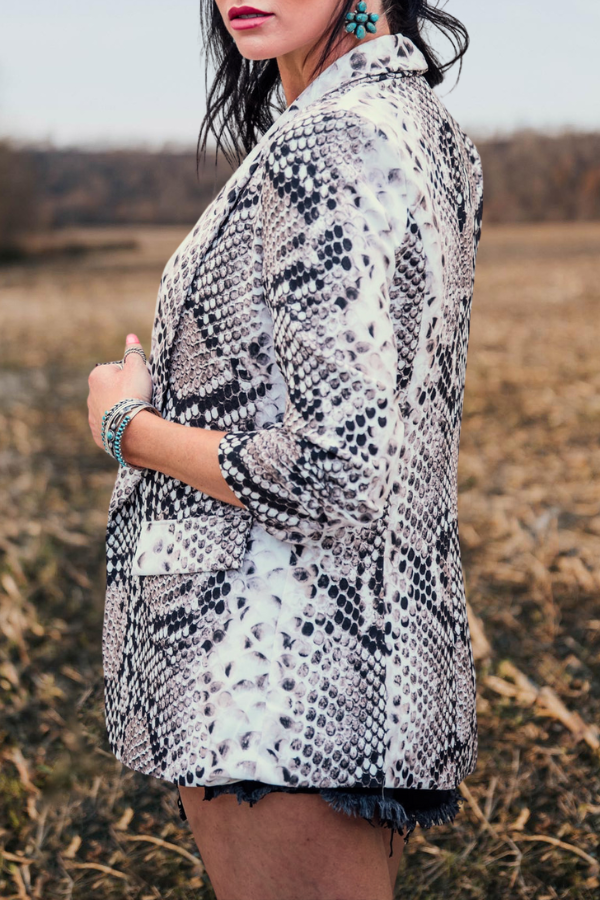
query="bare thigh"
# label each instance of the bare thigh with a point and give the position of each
(290, 848)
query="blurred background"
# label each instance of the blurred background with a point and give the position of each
(100, 106)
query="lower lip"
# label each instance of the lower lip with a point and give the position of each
(243, 24)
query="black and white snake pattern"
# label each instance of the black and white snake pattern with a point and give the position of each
(319, 314)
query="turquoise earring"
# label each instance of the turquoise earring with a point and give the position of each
(361, 21)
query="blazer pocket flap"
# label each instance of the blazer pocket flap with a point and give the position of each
(205, 543)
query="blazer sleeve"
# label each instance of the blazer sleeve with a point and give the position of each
(328, 264)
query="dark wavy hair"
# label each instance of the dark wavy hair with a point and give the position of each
(246, 95)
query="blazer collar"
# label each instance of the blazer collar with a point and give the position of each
(390, 53)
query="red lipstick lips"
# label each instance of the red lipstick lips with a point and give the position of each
(242, 17)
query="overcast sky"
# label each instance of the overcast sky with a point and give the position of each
(129, 72)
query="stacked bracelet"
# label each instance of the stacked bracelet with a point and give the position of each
(111, 419)
(116, 420)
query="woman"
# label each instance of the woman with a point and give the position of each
(285, 631)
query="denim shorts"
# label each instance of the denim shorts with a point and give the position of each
(399, 809)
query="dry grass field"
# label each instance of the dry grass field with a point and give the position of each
(73, 822)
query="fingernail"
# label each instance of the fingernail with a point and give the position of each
(132, 339)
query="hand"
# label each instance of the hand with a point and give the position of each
(110, 383)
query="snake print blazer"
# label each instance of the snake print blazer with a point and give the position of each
(329, 285)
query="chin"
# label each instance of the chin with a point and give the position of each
(255, 47)
(256, 50)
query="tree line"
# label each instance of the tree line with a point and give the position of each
(529, 177)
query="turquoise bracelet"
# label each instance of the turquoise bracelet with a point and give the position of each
(118, 437)
(114, 422)
(109, 420)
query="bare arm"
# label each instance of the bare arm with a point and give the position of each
(188, 454)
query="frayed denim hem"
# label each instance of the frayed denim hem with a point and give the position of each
(393, 814)
(419, 807)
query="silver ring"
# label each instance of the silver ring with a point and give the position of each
(135, 350)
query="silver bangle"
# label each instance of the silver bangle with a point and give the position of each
(115, 421)
(112, 418)
(116, 448)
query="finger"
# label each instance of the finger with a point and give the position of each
(133, 342)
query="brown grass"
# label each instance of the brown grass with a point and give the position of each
(73, 822)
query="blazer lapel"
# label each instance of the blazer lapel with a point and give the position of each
(180, 272)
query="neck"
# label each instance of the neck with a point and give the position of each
(297, 68)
